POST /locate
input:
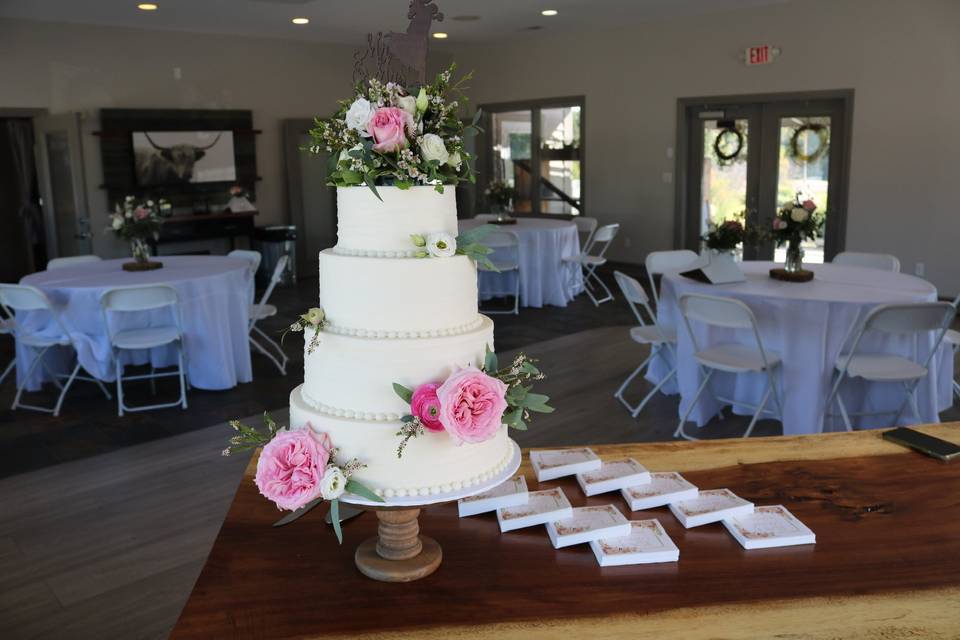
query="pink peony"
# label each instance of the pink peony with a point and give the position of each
(779, 223)
(291, 467)
(426, 405)
(388, 128)
(140, 213)
(472, 405)
(809, 205)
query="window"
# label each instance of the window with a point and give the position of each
(536, 147)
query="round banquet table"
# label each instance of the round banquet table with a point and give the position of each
(545, 278)
(807, 324)
(214, 296)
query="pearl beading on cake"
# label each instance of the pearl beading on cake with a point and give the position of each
(448, 487)
(338, 412)
(376, 253)
(415, 333)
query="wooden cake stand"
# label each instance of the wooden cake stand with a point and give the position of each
(149, 265)
(399, 553)
(779, 273)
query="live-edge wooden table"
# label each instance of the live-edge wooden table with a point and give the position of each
(886, 563)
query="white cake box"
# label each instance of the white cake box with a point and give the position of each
(709, 506)
(556, 463)
(511, 493)
(646, 544)
(612, 476)
(541, 507)
(664, 487)
(588, 524)
(767, 527)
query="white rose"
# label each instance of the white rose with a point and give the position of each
(441, 244)
(359, 114)
(454, 160)
(315, 316)
(799, 214)
(117, 222)
(408, 104)
(431, 148)
(334, 483)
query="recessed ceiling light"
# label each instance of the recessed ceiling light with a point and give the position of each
(301, 21)
(440, 35)
(549, 12)
(148, 6)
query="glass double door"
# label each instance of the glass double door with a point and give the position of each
(750, 159)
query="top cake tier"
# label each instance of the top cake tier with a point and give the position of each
(367, 226)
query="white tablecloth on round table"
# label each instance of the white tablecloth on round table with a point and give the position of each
(214, 294)
(545, 278)
(807, 324)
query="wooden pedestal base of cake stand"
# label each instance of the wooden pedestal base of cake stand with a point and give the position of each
(399, 553)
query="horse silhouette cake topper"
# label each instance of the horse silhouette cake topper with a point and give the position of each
(391, 53)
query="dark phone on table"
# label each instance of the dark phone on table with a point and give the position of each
(923, 443)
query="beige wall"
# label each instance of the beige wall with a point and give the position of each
(902, 58)
(67, 68)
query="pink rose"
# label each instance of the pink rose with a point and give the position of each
(472, 405)
(291, 467)
(426, 405)
(140, 213)
(779, 224)
(388, 128)
(809, 205)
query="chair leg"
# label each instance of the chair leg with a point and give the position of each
(956, 388)
(270, 356)
(623, 387)
(183, 378)
(915, 406)
(119, 371)
(13, 365)
(713, 393)
(756, 416)
(679, 433)
(844, 414)
(26, 378)
(906, 400)
(153, 381)
(653, 392)
(834, 393)
(771, 380)
(66, 387)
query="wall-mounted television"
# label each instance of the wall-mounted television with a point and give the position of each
(182, 157)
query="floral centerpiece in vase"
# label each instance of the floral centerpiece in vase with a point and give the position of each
(500, 197)
(725, 237)
(795, 222)
(239, 200)
(137, 221)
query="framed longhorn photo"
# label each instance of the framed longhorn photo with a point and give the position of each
(180, 157)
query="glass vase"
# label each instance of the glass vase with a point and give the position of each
(140, 250)
(794, 262)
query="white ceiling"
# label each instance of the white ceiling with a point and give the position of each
(347, 21)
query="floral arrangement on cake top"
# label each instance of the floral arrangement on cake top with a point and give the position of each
(298, 469)
(472, 404)
(398, 136)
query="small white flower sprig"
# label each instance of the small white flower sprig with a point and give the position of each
(441, 244)
(314, 318)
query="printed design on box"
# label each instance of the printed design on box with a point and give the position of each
(612, 470)
(515, 485)
(645, 536)
(540, 501)
(709, 501)
(766, 521)
(597, 517)
(660, 482)
(553, 459)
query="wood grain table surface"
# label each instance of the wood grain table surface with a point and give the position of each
(886, 563)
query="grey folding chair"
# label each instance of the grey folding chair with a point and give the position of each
(903, 319)
(659, 338)
(590, 258)
(660, 262)
(262, 310)
(18, 299)
(731, 357)
(506, 245)
(60, 263)
(253, 259)
(951, 337)
(882, 261)
(586, 227)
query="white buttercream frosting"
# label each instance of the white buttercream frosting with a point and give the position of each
(370, 226)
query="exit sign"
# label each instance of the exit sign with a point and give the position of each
(764, 54)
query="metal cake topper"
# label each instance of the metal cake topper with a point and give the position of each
(391, 53)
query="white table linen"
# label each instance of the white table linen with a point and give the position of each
(214, 303)
(545, 278)
(807, 324)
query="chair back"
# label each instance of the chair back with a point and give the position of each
(140, 298)
(660, 262)
(635, 295)
(882, 261)
(507, 244)
(920, 317)
(715, 311)
(586, 226)
(274, 280)
(602, 238)
(60, 263)
(18, 297)
(485, 217)
(252, 257)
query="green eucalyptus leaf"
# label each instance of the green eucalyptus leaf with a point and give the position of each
(405, 394)
(293, 515)
(371, 184)
(490, 361)
(362, 490)
(335, 519)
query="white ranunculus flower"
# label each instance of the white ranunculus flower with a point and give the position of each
(117, 222)
(334, 483)
(799, 214)
(408, 104)
(441, 244)
(454, 160)
(432, 148)
(315, 316)
(359, 114)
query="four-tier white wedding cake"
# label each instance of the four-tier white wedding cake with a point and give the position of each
(391, 317)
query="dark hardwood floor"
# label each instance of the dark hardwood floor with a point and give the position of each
(89, 425)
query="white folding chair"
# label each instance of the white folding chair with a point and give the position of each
(262, 310)
(586, 227)
(485, 217)
(142, 299)
(506, 258)
(882, 261)
(253, 259)
(659, 338)
(6, 328)
(904, 319)
(660, 262)
(730, 357)
(951, 337)
(60, 263)
(18, 298)
(590, 258)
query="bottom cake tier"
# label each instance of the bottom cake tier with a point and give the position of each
(431, 463)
